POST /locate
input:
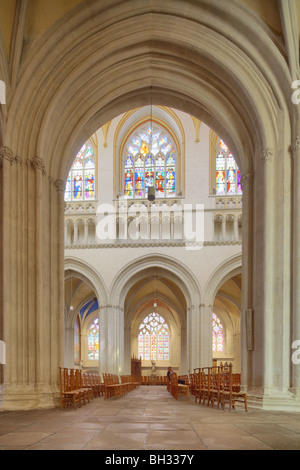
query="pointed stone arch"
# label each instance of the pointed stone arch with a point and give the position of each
(92, 65)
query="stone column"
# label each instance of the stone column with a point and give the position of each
(75, 232)
(224, 235)
(103, 339)
(206, 312)
(33, 263)
(6, 161)
(236, 229)
(86, 228)
(199, 328)
(295, 334)
(247, 270)
(269, 312)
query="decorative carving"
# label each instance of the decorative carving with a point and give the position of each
(6, 154)
(18, 160)
(295, 146)
(39, 164)
(267, 155)
(60, 185)
(246, 179)
(197, 125)
(105, 132)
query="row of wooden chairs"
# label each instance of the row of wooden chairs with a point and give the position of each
(184, 378)
(130, 381)
(113, 388)
(218, 386)
(177, 389)
(76, 388)
(95, 383)
(153, 380)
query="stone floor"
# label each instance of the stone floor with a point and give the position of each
(148, 418)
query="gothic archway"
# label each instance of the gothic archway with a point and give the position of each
(215, 74)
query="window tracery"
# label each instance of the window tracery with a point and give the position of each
(228, 177)
(154, 338)
(93, 341)
(217, 334)
(149, 160)
(80, 184)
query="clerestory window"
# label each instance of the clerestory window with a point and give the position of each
(154, 338)
(80, 185)
(217, 334)
(149, 160)
(228, 177)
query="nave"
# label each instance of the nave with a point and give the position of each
(148, 418)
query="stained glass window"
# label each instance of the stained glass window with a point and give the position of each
(93, 341)
(154, 339)
(228, 177)
(217, 334)
(77, 340)
(80, 184)
(149, 160)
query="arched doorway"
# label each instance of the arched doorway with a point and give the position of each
(227, 323)
(156, 313)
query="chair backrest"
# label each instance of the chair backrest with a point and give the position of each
(226, 378)
(173, 377)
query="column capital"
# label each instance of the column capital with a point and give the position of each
(6, 154)
(39, 164)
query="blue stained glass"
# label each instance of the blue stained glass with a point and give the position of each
(149, 161)
(81, 180)
(139, 183)
(170, 161)
(144, 137)
(158, 170)
(89, 163)
(77, 182)
(166, 149)
(129, 162)
(228, 178)
(89, 185)
(128, 184)
(89, 152)
(170, 182)
(133, 150)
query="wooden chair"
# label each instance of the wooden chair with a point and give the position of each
(178, 389)
(169, 384)
(68, 396)
(215, 391)
(192, 384)
(227, 393)
(197, 384)
(205, 385)
(81, 384)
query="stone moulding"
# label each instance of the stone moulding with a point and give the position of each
(36, 163)
(142, 244)
(295, 147)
